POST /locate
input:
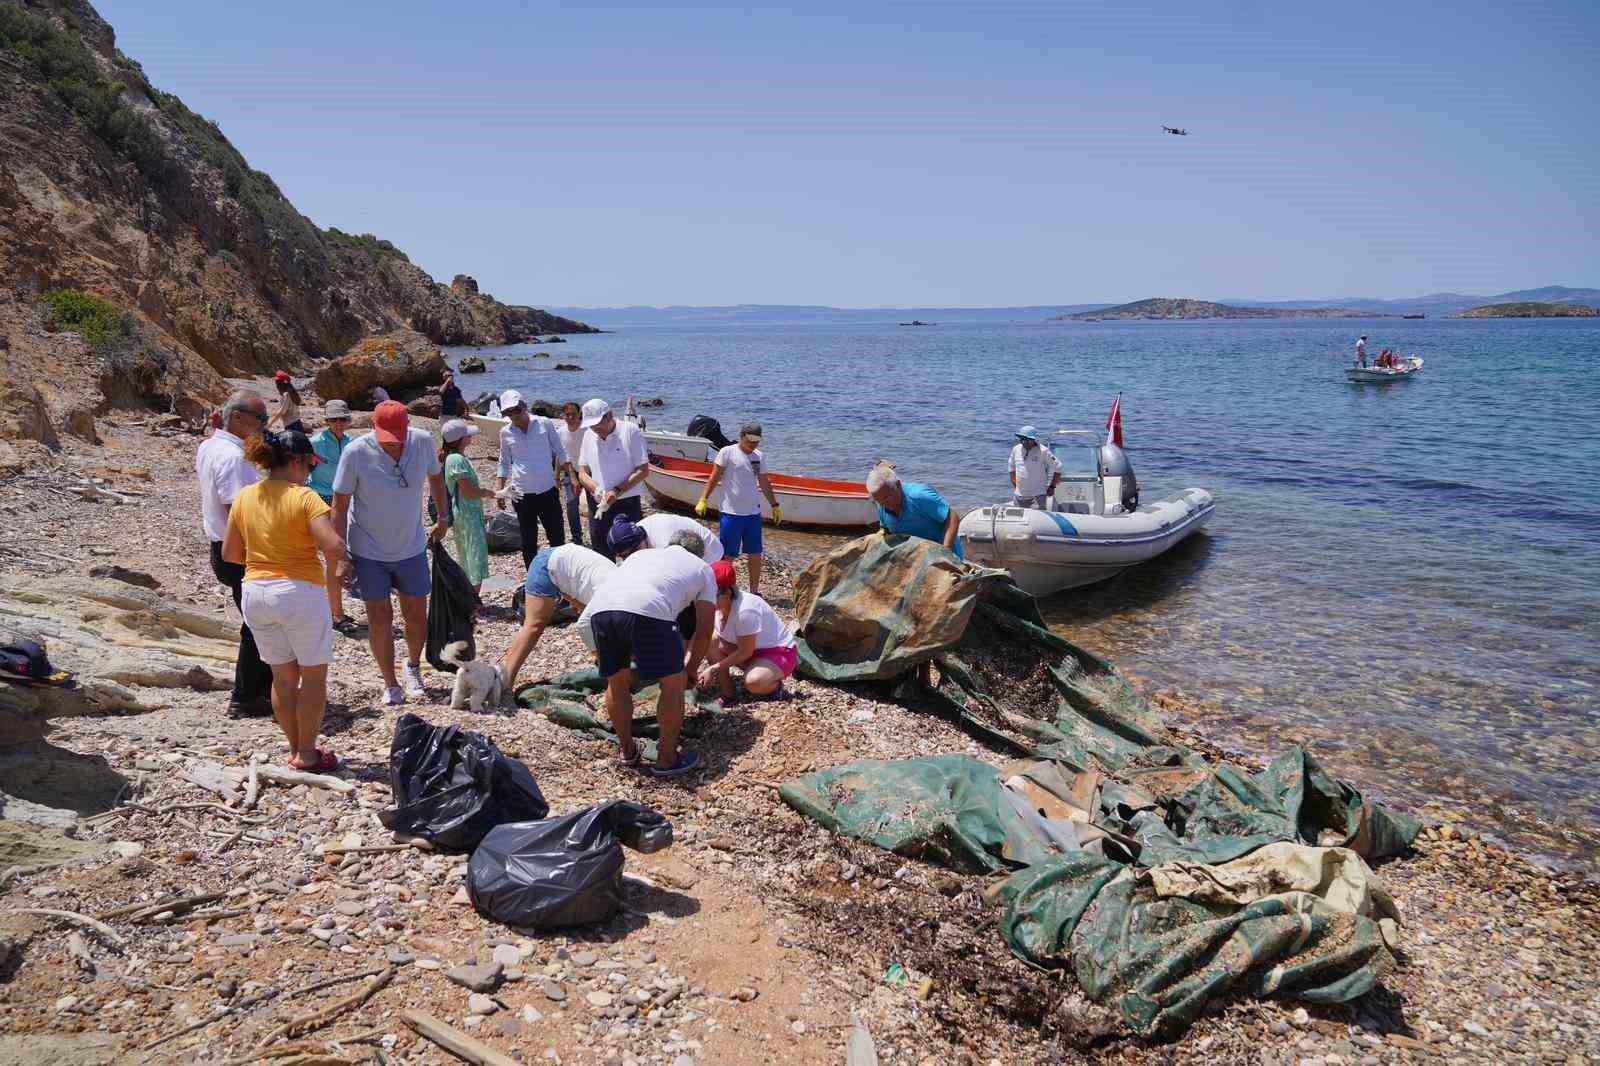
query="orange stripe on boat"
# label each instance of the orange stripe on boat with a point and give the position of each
(691, 470)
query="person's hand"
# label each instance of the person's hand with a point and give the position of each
(440, 528)
(705, 676)
(700, 508)
(607, 499)
(777, 515)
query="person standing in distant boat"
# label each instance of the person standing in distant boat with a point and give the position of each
(741, 471)
(1035, 471)
(1361, 350)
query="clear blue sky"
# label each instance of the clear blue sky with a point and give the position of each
(881, 154)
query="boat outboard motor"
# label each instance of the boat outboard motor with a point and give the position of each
(1116, 474)
(709, 428)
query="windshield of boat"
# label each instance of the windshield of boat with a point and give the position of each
(1079, 453)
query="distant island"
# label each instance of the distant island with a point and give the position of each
(1161, 308)
(1530, 309)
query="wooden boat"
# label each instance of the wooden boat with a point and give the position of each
(1382, 375)
(805, 501)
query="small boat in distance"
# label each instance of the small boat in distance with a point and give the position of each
(1383, 375)
(918, 322)
(1413, 316)
(805, 501)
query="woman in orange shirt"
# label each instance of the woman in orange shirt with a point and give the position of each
(276, 528)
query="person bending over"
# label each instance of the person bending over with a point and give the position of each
(570, 571)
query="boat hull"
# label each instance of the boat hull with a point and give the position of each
(805, 501)
(1047, 551)
(1379, 376)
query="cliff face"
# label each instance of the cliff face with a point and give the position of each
(112, 187)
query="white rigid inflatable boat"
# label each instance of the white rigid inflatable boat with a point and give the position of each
(1097, 530)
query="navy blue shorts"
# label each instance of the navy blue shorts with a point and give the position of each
(375, 577)
(622, 638)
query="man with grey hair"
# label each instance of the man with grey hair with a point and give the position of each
(223, 472)
(662, 530)
(913, 509)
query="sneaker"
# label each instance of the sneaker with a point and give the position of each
(394, 697)
(411, 677)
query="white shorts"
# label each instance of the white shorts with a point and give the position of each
(290, 621)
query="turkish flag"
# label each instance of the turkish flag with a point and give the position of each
(1114, 422)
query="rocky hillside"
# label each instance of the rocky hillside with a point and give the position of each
(1162, 308)
(120, 204)
(1530, 309)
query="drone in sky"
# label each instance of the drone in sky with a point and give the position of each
(1176, 132)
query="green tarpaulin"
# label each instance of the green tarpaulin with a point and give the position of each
(578, 701)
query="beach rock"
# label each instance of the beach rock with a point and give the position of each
(476, 977)
(24, 415)
(478, 1003)
(428, 406)
(464, 284)
(404, 362)
(554, 992)
(130, 577)
(471, 365)
(78, 420)
(555, 340)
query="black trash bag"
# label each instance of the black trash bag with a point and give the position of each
(450, 609)
(709, 428)
(563, 871)
(452, 786)
(503, 533)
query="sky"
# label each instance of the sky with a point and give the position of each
(917, 154)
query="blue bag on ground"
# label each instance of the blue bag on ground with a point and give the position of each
(561, 871)
(452, 786)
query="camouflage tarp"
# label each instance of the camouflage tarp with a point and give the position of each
(578, 701)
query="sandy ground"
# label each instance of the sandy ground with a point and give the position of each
(754, 939)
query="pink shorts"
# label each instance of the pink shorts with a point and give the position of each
(785, 659)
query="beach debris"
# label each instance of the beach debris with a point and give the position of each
(453, 1040)
(451, 786)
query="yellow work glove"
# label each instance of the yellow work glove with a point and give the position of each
(777, 516)
(700, 508)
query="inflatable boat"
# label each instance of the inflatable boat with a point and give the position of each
(1095, 530)
(1382, 375)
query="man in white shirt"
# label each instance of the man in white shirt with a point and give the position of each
(224, 472)
(1361, 350)
(532, 456)
(740, 469)
(1035, 471)
(661, 527)
(570, 430)
(612, 463)
(570, 570)
(633, 619)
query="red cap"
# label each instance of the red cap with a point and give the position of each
(390, 422)
(726, 576)
(281, 377)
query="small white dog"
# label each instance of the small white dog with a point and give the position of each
(477, 684)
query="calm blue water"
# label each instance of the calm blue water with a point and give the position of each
(1404, 575)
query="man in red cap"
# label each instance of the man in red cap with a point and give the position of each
(377, 508)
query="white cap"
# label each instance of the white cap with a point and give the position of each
(594, 412)
(509, 399)
(335, 409)
(457, 428)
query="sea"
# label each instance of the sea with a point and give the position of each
(1406, 576)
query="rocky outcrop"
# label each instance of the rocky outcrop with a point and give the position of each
(24, 415)
(111, 187)
(471, 365)
(403, 362)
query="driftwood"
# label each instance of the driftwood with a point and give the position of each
(80, 954)
(245, 1004)
(171, 903)
(73, 916)
(284, 776)
(307, 1023)
(454, 1040)
(214, 778)
(252, 786)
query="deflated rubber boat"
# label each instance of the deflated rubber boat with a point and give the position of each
(1096, 528)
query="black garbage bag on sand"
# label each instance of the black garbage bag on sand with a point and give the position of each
(561, 871)
(452, 786)
(450, 609)
(502, 533)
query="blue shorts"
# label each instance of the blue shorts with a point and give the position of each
(622, 637)
(375, 577)
(741, 534)
(539, 583)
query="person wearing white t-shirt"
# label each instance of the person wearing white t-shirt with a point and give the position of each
(569, 570)
(661, 527)
(633, 617)
(1035, 471)
(740, 470)
(750, 637)
(570, 430)
(612, 463)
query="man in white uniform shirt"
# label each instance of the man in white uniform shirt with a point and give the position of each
(612, 464)
(570, 430)
(532, 456)
(224, 472)
(661, 527)
(633, 620)
(1035, 471)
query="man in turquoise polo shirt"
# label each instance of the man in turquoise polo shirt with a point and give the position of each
(913, 509)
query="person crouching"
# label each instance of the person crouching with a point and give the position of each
(633, 618)
(275, 530)
(750, 637)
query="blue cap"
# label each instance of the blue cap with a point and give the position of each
(625, 533)
(1029, 433)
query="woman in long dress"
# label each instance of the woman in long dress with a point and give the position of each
(466, 500)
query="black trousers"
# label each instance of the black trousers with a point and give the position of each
(535, 510)
(600, 525)
(252, 678)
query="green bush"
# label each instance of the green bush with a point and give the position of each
(373, 245)
(99, 322)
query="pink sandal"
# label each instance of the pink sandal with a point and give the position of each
(326, 762)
